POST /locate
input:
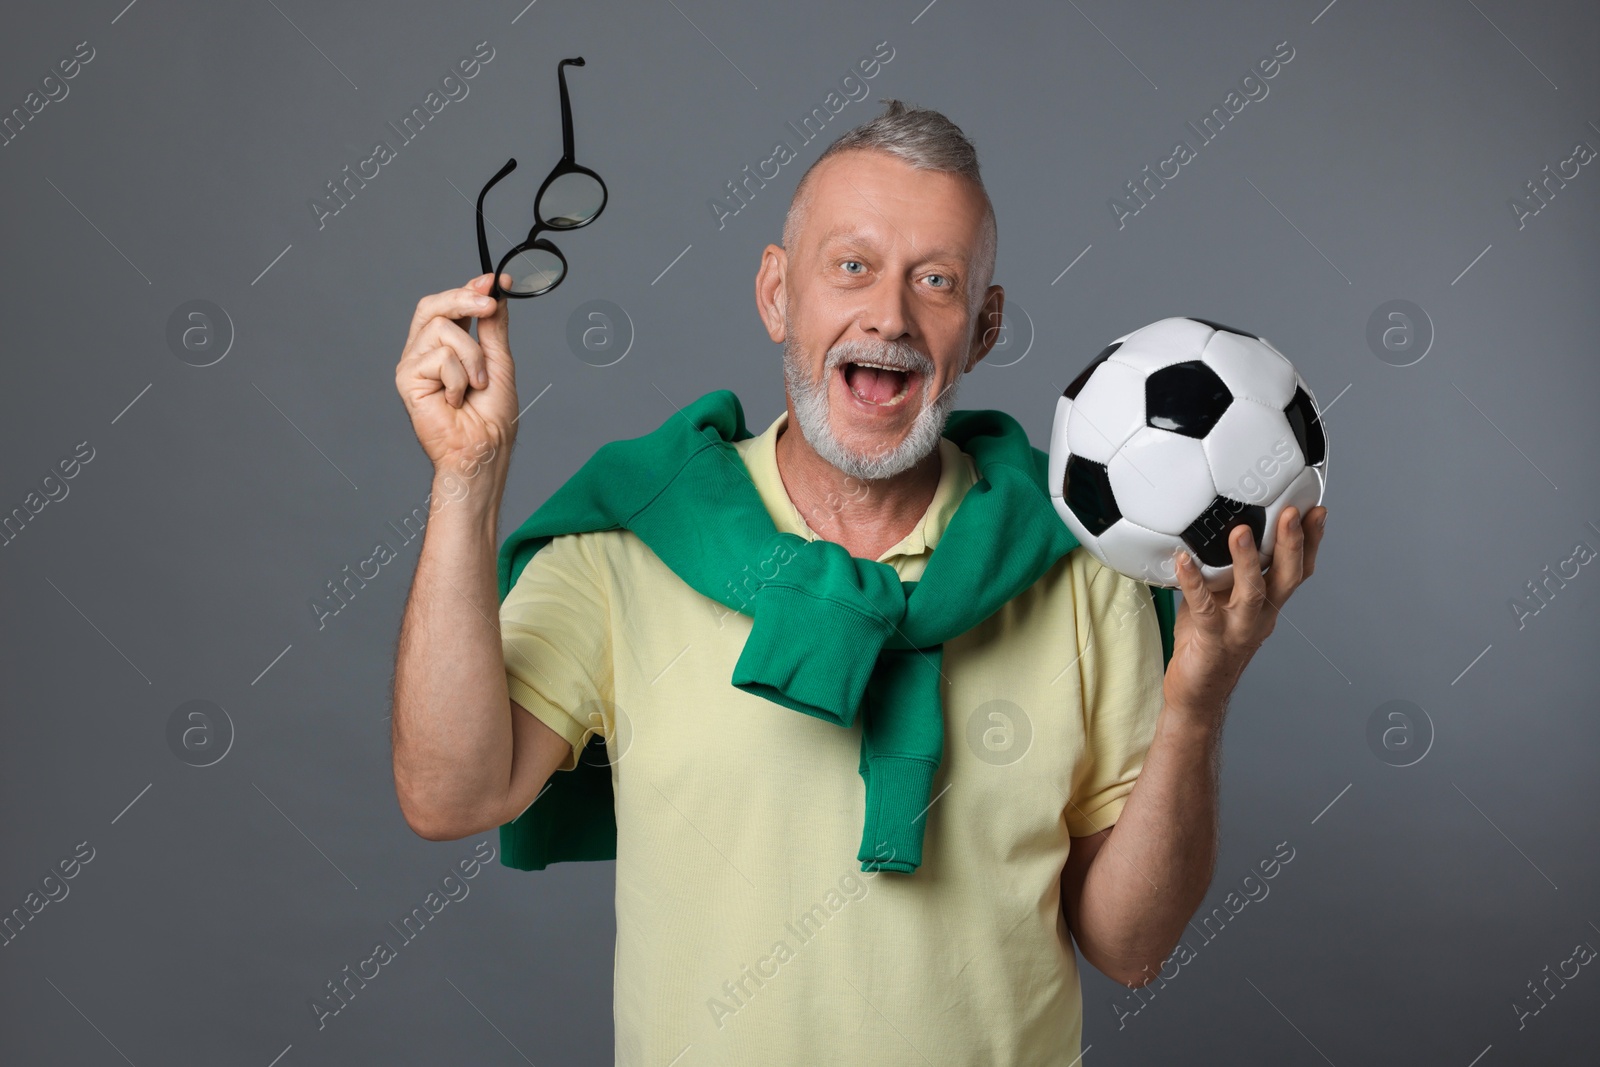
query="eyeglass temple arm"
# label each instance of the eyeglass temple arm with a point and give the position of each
(483, 239)
(566, 105)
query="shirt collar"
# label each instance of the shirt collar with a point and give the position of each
(956, 476)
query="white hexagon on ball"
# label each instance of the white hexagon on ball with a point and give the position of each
(1137, 552)
(1253, 453)
(1161, 480)
(1163, 343)
(1108, 411)
(1251, 369)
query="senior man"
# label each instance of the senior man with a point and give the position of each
(1076, 786)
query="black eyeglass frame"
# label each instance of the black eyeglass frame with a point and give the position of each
(564, 166)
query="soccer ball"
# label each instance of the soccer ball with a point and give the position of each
(1174, 435)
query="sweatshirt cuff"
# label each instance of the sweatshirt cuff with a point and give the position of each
(898, 789)
(826, 674)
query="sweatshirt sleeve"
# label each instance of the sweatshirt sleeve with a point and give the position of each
(555, 636)
(1119, 640)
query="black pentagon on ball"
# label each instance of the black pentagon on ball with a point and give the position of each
(1186, 398)
(1221, 328)
(1086, 487)
(1207, 536)
(1071, 392)
(1307, 427)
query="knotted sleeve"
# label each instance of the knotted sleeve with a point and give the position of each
(818, 621)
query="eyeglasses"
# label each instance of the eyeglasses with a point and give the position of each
(571, 196)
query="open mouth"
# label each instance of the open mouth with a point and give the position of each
(878, 384)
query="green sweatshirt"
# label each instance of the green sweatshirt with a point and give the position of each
(832, 635)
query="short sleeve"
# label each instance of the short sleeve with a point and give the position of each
(555, 637)
(1122, 669)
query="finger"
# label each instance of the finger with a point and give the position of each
(1284, 575)
(493, 333)
(451, 304)
(446, 332)
(471, 283)
(479, 285)
(439, 369)
(1313, 533)
(1249, 590)
(454, 377)
(1195, 594)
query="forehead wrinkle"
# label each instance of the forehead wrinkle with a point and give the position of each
(880, 214)
(856, 234)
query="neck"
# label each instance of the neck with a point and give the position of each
(865, 517)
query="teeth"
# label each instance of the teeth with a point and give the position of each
(898, 398)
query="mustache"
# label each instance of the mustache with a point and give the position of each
(896, 354)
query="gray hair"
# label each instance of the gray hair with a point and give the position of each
(927, 140)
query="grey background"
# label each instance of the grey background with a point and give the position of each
(182, 562)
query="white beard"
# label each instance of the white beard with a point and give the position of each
(812, 413)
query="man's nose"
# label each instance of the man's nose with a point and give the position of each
(886, 313)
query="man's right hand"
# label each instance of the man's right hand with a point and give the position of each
(461, 393)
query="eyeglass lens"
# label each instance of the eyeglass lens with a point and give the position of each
(571, 200)
(533, 270)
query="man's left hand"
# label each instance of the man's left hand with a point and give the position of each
(1214, 638)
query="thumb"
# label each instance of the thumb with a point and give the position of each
(494, 329)
(1196, 595)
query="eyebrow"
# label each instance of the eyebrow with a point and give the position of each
(848, 235)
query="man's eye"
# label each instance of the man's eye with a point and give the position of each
(856, 262)
(943, 281)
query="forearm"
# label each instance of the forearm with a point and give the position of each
(452, 731)
(1157, 862)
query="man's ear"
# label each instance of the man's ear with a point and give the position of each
(772, 290)
(986, 325)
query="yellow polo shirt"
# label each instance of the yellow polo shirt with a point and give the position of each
(746, 931)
